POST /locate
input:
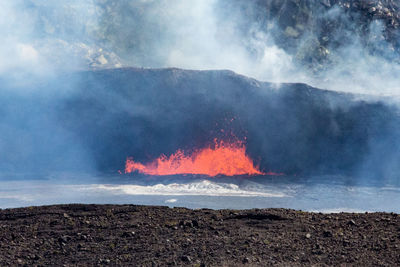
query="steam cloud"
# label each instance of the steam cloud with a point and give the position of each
(42, 37)
(44, 40)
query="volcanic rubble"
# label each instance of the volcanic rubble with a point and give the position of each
(71, 235)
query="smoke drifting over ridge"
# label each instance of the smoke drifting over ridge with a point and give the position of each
(52, 119)
(111, 115)
(259, 39)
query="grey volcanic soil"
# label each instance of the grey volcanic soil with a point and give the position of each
(152, 236)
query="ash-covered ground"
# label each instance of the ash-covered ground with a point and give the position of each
(71, 235)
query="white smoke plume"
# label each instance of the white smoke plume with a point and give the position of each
(42, 37)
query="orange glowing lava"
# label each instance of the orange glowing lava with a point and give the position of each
(223, 158)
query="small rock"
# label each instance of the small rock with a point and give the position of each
(186, 223)
(104, 261)
(62, 239)
(195, 223)
(308, 235)
(328, 234)
(81, 247)
(246, 260)
(186, 259)
(128, 234)
(352, 222)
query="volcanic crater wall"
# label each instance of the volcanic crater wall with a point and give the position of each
(96, 119)
(290, 128)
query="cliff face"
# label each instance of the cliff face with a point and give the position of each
(99, 118)
(291, 128)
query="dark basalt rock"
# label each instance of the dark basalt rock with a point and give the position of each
(303, 239)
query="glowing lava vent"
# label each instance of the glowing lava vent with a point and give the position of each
(223, 158)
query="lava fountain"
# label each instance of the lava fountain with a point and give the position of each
(222, 158)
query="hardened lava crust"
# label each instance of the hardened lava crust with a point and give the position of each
(122, 235)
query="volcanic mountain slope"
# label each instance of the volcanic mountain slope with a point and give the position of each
(291, 128)
(99, 118)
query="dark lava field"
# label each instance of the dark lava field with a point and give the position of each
(115, 235)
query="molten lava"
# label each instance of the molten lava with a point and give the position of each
(225, 158)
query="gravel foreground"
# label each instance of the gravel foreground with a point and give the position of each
(72, 235)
